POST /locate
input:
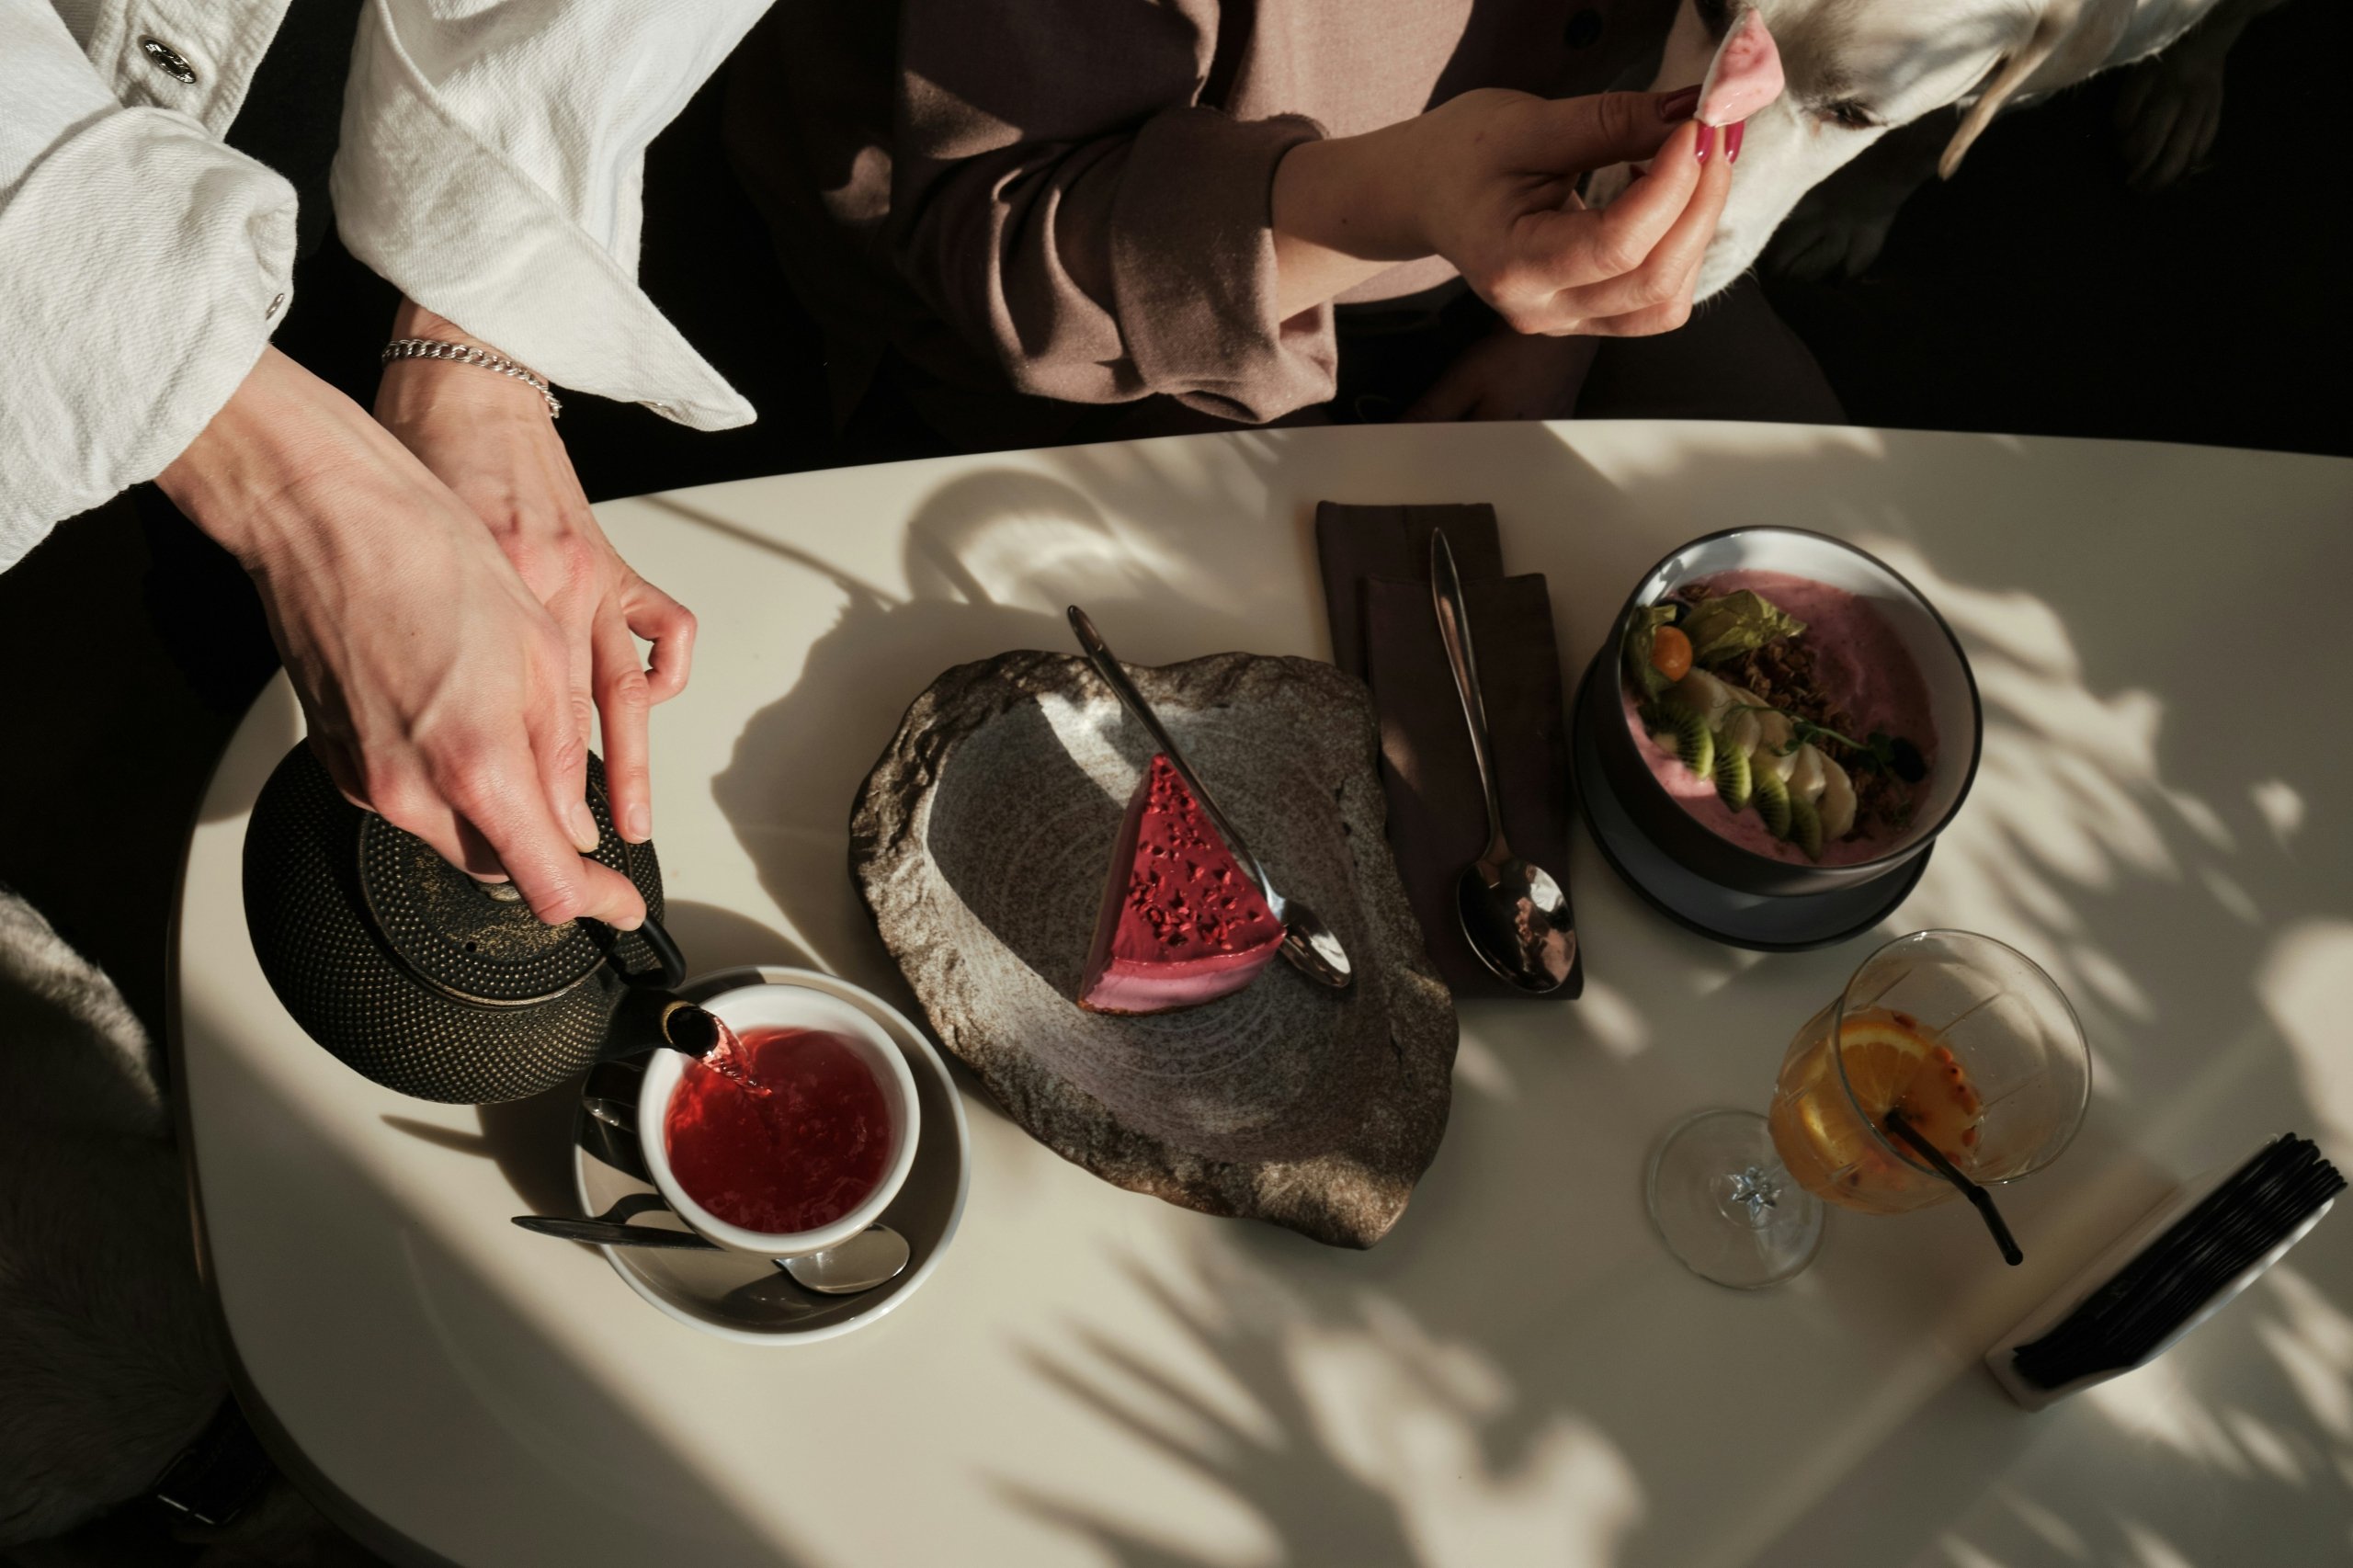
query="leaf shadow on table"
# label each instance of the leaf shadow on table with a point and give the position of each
(2151, 824)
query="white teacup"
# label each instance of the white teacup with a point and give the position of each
(784, 1007)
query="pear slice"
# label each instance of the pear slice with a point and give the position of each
(1836, 805)
(1805, 778)
(1705, 694)
(1742, 727)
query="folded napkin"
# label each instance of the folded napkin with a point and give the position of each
(2187, 1257)
(1384, 630)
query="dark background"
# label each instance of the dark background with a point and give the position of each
(2034, 294)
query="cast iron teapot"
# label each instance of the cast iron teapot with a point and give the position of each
(438, 985)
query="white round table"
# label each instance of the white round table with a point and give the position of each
(1520, 1373)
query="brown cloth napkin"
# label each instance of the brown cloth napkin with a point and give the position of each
(1384, 630)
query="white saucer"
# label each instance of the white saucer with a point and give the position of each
(748, 1299)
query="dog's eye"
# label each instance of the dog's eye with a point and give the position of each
(1849, 113)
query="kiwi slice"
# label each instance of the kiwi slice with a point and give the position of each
(1693, 742)
(1734, 778)
(1772, 801)
(1806, 827)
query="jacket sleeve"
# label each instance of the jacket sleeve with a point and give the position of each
(142, 265)
(491, 164)
(1063, 199)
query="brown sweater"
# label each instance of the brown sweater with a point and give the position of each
(1069, 198)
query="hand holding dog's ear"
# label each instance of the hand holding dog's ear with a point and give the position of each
(1500, 202)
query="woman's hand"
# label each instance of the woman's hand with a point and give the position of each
(1488, 180)
(1507, 375)
(489, 438)
(437, 688)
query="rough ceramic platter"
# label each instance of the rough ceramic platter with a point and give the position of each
(980, 843)
(746, 1298)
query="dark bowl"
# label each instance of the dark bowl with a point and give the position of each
(1944, 668)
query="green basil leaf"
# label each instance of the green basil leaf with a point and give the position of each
(1732, 624)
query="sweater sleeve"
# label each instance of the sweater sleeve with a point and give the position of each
(1066, 202)
(142, 265)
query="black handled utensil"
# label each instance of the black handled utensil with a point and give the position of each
(611, 1233)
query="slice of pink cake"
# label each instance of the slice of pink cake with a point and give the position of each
(1181, 923)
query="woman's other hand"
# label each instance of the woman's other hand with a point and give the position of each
(1488, 180)
(488, 437)
(437, 688)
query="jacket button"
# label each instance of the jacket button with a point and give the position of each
(169, 61)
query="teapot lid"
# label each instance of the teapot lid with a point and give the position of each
(476, 941)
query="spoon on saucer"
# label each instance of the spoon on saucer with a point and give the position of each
(1311, 946)
(876, 1256)
(1514, 915)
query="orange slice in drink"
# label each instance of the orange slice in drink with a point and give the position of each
(1893, 1063)
(1833, 1137)
(1882, 1058)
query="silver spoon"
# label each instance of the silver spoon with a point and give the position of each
(876, 1256)
(1514, 915)
(1308, 943)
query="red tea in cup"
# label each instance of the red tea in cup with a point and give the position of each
(789, 1135)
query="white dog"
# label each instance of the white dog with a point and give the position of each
(1859, 69)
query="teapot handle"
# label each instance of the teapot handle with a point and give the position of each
(673, 971)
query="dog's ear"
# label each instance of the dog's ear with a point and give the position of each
(2071, 39)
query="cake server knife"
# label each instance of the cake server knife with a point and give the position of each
(1311, 946)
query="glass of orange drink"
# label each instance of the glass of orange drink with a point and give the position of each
(1965, 1039)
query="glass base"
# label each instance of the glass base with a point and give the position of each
(1725, 1206)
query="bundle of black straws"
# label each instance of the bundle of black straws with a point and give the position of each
(2229, 1230)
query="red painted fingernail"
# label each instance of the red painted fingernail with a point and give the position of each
(1707, 142)
(1676, 106)
(1731, 139)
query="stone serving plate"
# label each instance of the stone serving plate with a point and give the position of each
(980, 842)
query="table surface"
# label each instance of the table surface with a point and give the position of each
(1519, 1373)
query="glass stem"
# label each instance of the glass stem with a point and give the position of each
(1750, 1195)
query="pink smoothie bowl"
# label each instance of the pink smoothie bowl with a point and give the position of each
(1689, 844)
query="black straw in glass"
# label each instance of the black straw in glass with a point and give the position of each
(1967, 1188)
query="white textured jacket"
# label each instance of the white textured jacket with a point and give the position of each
(490, 165)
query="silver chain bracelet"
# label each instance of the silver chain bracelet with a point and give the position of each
(465, 354)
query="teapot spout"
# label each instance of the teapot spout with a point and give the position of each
(652, 1020)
